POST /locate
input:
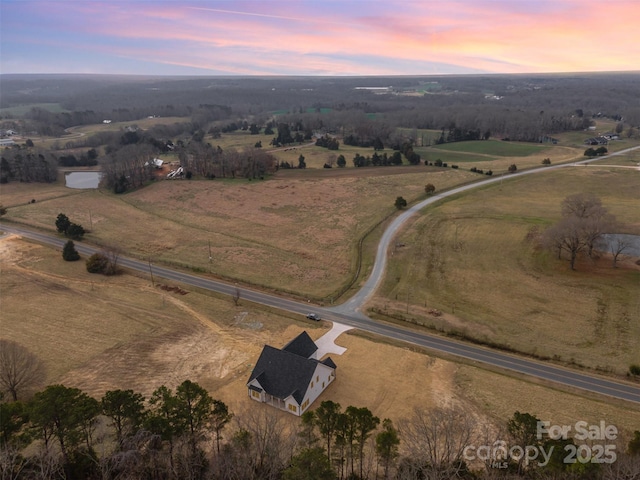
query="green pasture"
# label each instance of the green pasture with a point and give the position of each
(450, 157)
(476, 258)
(20, 110)
(493, 148)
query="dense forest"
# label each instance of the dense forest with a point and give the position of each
(517, 106)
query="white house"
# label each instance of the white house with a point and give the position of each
(156, 162)
(292, 378)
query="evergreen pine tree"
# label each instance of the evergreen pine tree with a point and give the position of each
(69, 252)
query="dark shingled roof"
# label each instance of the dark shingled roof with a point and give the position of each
(283, 373)
(288, 371)
(301, 345)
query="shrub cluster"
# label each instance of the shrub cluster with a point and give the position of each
(68, 228)
(328, 142)
(101, 263)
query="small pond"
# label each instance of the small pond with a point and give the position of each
(632, 243)
(82, 179)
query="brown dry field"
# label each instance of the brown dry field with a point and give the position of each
(102, 333)
(319, 219)
(471, 258)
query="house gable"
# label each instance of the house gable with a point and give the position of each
(302, 345)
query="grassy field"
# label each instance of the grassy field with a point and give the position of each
(631, 159)
(319, 216)
(22, 109)
(453, 158)
(471, 258)
(143, 123)
(102, 333)
(490, 155)
(495, 148)
(495, 162)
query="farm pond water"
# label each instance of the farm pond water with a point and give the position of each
(632, 243)
(82, 179)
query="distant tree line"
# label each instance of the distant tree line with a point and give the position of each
(377, 159)
(457, 134)
(88, 159)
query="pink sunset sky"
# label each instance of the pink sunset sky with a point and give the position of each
(318, 37)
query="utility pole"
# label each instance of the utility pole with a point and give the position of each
(210, 257)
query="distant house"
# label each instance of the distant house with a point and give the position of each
(596, 141)
(156, 162)
(5, 142)
(548, 139)
(291, 378)
(106, 121)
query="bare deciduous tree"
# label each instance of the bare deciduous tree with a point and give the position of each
(236, 297)
(434, 442)
(12, 462)
(625, 466)
(566, 235)
(113, 254)
(584, 221)
(260, 448)
(19, 368)
(616, 247)
(594, 219)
